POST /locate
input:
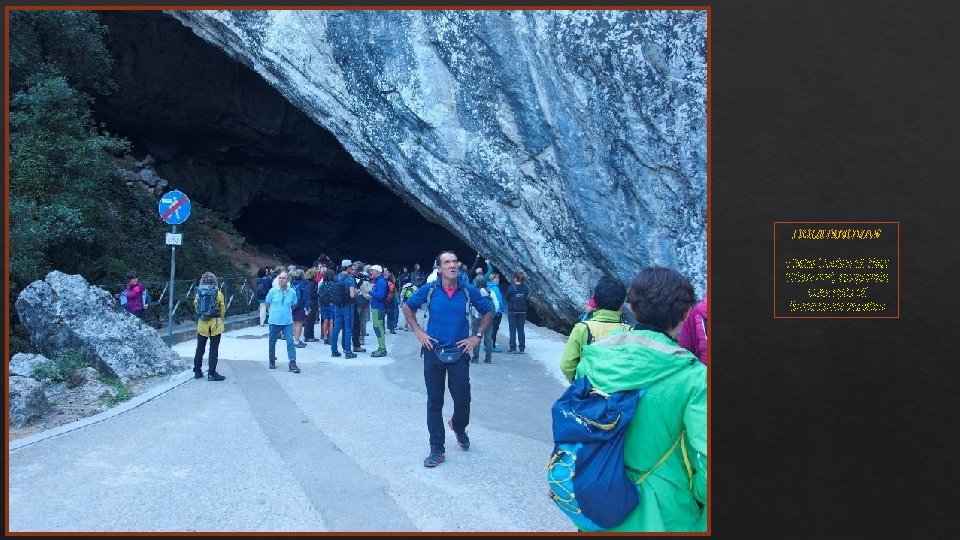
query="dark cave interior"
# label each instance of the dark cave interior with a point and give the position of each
(221, 134)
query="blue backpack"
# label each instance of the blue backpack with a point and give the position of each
(207, 302)
(586, 473)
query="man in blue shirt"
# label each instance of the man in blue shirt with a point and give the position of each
(446, 346)
(280, 302)
(343, 310)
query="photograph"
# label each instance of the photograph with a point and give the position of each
(482, 237)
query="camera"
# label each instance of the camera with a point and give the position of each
(362, 277)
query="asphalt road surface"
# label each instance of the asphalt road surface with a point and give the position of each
(337, 447)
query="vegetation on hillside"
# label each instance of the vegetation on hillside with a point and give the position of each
(69, 209)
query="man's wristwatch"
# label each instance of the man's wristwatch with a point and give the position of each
(478, 335)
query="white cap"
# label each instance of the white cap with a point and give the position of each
(345, 263)
(376, 267)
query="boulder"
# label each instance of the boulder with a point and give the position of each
(64, 311)
(28, 403)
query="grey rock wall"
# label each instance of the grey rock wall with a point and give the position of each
(578, 135)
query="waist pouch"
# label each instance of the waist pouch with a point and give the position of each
(448, 356)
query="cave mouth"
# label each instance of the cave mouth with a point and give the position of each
(218, 132)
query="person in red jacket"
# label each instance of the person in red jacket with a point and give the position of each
(693, 333)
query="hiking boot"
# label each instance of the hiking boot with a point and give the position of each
(197, 374)
(273, 364)
(336, 354)
(214, 376)
(293, 367)
(359, 349)
(435, 458)
(378, 353)
(462, 438)
(349, 355)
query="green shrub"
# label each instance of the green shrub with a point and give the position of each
(65, 367)
(123, 393)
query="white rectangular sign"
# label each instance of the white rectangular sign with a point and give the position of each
(174, 239)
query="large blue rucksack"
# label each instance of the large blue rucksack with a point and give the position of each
(207, 302)
(586, 473)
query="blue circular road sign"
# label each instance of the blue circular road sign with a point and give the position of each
(174, 207)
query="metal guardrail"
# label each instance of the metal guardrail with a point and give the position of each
(233, 288)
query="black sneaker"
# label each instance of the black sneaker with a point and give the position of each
(326, 341)
(349, 355)
(214, 376)
(462, 438)
(435, 458)
(336, 354)
(293, 367)
(474, 360)
(197, 374)
(273, 364)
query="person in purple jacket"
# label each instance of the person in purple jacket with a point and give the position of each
(134, 293)
(693, 333)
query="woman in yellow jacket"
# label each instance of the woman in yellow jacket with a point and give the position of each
(209, 328)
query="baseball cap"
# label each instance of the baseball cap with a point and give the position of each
(345, 263)
(377, 267)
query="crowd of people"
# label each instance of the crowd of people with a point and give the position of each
(649, 334)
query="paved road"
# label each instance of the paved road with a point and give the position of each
(338, 447)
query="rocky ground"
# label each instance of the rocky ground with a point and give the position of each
(72, 406)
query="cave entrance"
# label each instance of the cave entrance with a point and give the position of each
(222, 135)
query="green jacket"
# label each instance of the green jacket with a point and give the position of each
(601, 322)
(675, 402)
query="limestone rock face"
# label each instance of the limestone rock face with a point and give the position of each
(63, 311)
(579, 135)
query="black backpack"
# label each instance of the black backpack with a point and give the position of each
(207, 302)
(263, 286)
(340, 293)
(324, 293)
(519, 301)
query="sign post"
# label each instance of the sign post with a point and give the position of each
(174, 208)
